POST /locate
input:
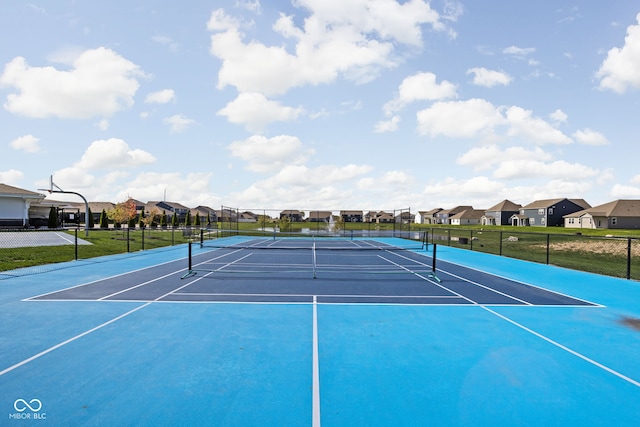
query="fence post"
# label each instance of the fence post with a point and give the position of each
(471, 239)
(629, 258)
(500, 243)
(128, 248)
(548, 239)
(142, 230)
(76, 243)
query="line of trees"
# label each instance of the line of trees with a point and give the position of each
(126, 213)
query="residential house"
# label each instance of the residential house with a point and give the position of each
(619, 214)
(501, 213)
(427, 217)
(352, 216)
(467, 217)
(169, 208)
(378, 217)
(292, 215)
(247, 216)
(547, 213)
(405, 217)
(205, 212)
(320, 216)
(443, 216)
(15, 204)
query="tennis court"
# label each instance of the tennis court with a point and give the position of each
(359, 332)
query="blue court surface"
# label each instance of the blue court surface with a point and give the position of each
(259, 334)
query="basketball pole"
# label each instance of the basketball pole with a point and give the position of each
(86, 204)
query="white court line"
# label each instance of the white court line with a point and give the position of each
(63, 343)
(565, 348)
(50, 349)
(316, 368)
(65, 237)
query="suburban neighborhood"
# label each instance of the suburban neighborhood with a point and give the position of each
(21, 208)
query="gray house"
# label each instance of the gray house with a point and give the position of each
(501, 213)
(547, 213)
(443, 216)
(428, 217)
(622, 214)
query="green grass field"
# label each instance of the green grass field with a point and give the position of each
(587, 250)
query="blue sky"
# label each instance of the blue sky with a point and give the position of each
(322, 104)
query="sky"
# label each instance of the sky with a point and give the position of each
(322, 104)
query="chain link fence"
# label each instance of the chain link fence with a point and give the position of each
(28, 252)
(611, 256)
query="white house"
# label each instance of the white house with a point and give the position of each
(14, 205)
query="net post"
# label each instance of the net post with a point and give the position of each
(190, 271)
(433, 274)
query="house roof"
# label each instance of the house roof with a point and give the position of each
(350, 212)
(617, 208)
(539, 204)
(505, 205)
(455, 210)
(10, 191)
(469, 214)
(318, 214)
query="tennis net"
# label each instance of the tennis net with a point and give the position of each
(307, 256)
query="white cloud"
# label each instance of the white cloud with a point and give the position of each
(420, 87)
(390, 125)
(103, 124)
(590, 137)
(255, 111)
(328, 186)
(352, 40)
(489, 78)
(558, 116)
(560, 169)
(11, 176)
(100, 83)
(443, 118)
(112, 153)
(486, 157)
(264, 154)
(178, 122)
(523, 123)
(171, 44)
(621, 68)
(620, 191)
(192, 189)
(518, 51)
(28, 143)
(451, 190)
(635, 180)
(161, 97)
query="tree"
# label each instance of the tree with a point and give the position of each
(187, 220)
(163, 220)
(53, 218)
(123, 212)
(141, 221)
(197, 220)
(104, 219)
(174, 220)
(91, 222)
(284, 223)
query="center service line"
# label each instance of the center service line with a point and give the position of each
(316, 367)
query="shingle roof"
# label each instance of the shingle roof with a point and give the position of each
(8, 190)
(505, 205)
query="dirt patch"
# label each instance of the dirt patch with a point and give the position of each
(617, 247)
